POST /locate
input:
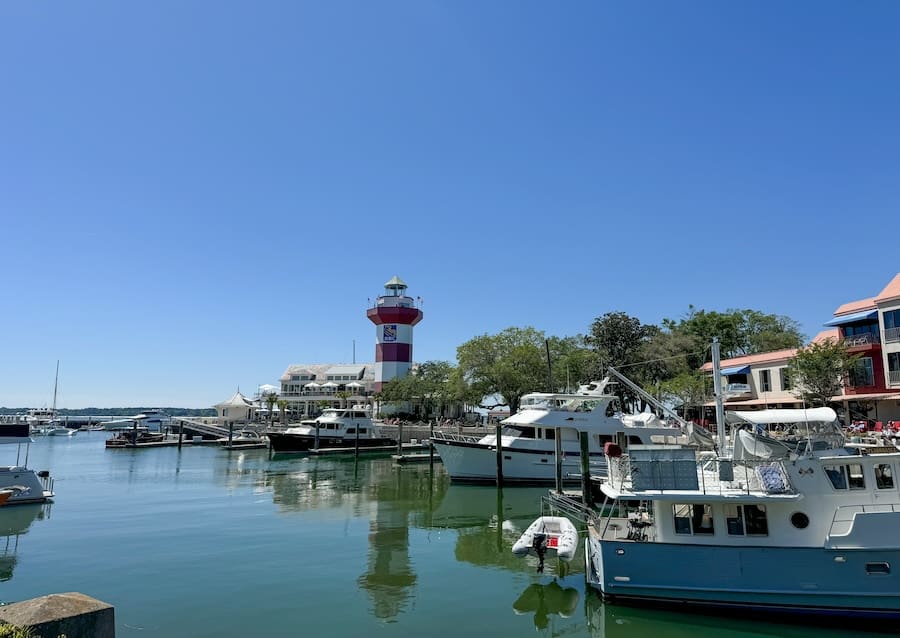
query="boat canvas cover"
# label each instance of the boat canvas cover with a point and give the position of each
(765, 417)
(749, 446)
(14, 433)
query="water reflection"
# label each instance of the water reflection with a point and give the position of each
(15, 520)
(546, 600)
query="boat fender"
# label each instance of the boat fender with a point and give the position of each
(539, 544)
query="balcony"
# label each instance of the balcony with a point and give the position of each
(891, 335)
(894, 377)
(863, 340)
(737, 390)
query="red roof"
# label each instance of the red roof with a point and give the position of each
(891, 291)
(831, 333)
(856, 306)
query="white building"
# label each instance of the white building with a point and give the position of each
(308, 388)
(237, 410)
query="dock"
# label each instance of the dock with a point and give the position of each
(166, 443)
(416, 457)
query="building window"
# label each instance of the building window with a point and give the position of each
(892, 319)
(765, 381)
(862, 374)
(693, 518)
(785, 379)
(894, 366)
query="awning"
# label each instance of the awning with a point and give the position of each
(853, 317)
(867, 397)
(735, 370)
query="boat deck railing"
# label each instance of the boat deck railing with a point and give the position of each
(453, 436)
(707, 476)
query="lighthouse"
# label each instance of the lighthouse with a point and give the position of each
(394, 315)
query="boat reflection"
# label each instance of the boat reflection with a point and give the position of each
(546, 600)
(605, 620)
(15, 521)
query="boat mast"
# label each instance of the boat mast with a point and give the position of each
(717, 389)
(55, 382)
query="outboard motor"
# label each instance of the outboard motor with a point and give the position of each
(539, 544)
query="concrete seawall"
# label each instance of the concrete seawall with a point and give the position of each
(71, 614)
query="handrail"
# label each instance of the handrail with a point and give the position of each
(651, 399)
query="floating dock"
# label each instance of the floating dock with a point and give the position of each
(417, 457)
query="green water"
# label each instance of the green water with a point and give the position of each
(204, 542)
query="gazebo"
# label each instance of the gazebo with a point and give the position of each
(237, 409)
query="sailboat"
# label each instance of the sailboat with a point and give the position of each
(40, 418)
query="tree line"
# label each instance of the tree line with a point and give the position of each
(664, 359)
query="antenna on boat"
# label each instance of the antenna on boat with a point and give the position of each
(717, 389)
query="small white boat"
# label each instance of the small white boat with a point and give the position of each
(547, 533)
(60, 430)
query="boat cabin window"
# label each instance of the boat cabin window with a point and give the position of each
(549, 433)
(746, 519)
(634, 440)
(844, 476)
(359, 415)
(524, 431)
(604, 438)
(694, 518)
(884, 476)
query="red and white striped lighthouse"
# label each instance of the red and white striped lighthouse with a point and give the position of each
(394, 315)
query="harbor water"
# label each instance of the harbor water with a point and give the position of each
(208, 542)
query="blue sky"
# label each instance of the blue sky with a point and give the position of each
(194, 194)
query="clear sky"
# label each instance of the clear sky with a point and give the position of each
(196, 194)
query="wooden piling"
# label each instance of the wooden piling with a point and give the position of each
(559, 461)
(586, 497)
(497, 430)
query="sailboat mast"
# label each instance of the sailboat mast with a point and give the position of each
(55, 383)
(717, 388)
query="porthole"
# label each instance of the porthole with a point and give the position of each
(878, 568)
(799, 520)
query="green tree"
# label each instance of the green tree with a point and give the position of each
(618, 340)
(270, 400)
(510, 364)
(343, 395)
(282, 409)
(818, 371)
(740, 332)
(690, 389)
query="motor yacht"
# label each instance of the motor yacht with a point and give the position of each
(528, 438)
(334, 428)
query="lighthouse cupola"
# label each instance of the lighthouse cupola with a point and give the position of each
(394, 315)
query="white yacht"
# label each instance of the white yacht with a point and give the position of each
(25, 485)
(154, 419)
(334, 428)
(792, 522)
(528, 438)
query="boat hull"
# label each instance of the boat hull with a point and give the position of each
(778, 580)
(476, 463)
(25, 486)
(284, 442)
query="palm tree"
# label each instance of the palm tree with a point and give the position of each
(282, 408)
(271, 398)
(343, 395)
